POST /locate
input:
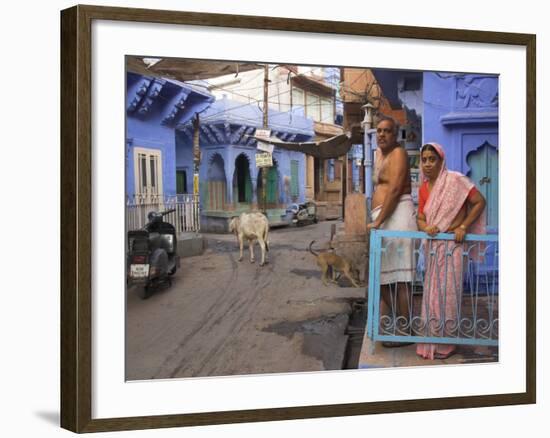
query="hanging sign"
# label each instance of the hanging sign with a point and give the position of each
(266, 147)
(264, 159)
(262, 133)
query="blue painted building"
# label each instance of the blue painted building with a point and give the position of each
(154, 108)
(159, 150)
(230, 182)
(461, 113)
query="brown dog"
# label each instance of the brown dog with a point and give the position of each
(330, 260)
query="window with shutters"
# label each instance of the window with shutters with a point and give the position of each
(147, 174)
(327, 111)
(298, 98)
(313, 107)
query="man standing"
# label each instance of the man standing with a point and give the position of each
(393, 209)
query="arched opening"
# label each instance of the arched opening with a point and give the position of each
(484, 173)
(216, 193)
(242, 183)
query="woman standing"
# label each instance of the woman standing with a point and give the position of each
(448, 202)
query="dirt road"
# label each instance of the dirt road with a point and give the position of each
(224, 317)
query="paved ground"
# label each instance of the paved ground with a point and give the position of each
(381, 357)
(405, 356)
(224, 317)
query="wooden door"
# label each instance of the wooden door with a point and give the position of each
(484, 173)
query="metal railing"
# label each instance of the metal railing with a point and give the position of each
(452, 295)
(186, 217)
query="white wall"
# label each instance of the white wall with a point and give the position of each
(30, 281)
(246, 87)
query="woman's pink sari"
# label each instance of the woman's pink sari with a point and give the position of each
(444, 268)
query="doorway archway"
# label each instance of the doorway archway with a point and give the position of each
(216, 184)
(242, 183)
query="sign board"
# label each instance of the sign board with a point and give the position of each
(263, 133)
(266, 147)
(264, 159)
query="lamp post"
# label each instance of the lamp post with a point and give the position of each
(367, 163)
(264, 169)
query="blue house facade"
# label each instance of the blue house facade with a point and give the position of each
(154, 107)
(159, 151)
(461, 113)
(230, 181)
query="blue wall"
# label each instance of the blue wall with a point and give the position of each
(226, 127)
(154, 107)
(159, 117)
(460, 113)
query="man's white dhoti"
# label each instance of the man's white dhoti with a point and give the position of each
(397, 260)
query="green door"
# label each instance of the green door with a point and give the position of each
(484, 173)
(272, 185)
(294, 189)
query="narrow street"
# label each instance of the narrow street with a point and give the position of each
(224, 317)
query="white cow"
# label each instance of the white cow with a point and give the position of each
(251, 226)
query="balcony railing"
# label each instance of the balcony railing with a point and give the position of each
(453, 295)
(186, 217)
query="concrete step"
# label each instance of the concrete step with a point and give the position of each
(190, 244)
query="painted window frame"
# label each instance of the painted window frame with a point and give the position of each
(147, 195)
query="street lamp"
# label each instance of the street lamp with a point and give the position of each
(366, 124)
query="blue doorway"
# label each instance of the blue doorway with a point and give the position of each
(484, 173)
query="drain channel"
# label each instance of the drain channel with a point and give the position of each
(355, 332)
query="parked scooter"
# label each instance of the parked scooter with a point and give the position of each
(302, 214)
(152, 254)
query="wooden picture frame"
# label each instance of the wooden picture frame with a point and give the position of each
(76, 217)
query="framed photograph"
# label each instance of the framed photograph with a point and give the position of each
(187, 138)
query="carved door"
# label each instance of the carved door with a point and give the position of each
(484, 173)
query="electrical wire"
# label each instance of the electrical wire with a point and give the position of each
(251, 100)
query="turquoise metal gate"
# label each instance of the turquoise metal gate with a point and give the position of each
(453, 295)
